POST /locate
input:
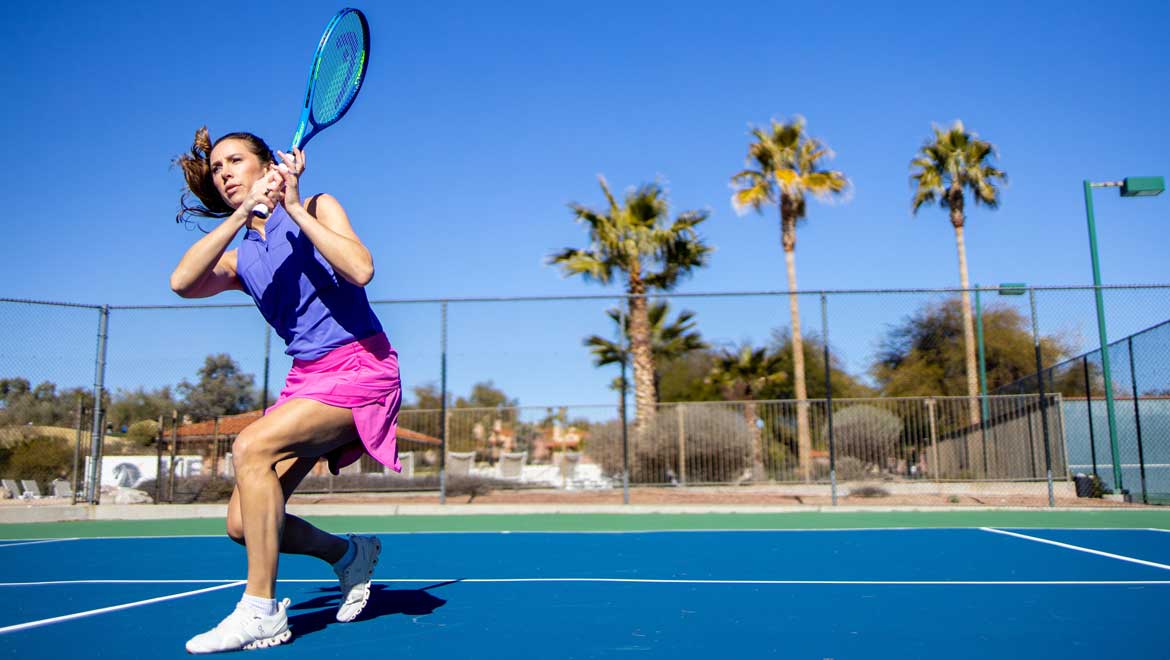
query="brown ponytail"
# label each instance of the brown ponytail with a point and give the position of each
(196, 167)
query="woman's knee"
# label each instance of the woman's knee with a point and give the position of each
(250, 453)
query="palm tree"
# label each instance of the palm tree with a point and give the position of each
(949, 164)
(635, 238)
(667, 341)
(784, 167)
(742, 374)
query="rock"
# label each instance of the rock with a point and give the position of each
(131, 496)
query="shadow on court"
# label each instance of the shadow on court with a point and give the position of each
(383, 602)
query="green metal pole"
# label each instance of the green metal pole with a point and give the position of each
(829, 397)
(625, 331)
(982, 357)
(443, 403)
(1109, 410)
(1043, 397)
(983, 405)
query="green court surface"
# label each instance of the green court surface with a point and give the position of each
(1120, 518)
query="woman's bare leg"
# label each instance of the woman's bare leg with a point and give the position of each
(300, 537)
(299, 428)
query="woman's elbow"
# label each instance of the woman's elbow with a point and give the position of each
(363, 275)
(178, 286)
(181, 286)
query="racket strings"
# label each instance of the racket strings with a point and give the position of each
(340, 71)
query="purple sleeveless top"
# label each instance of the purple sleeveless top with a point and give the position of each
(313, 309)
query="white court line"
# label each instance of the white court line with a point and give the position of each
(790, 582)
(131, 537)
(114, 608)
(728, 530)
(12, 545)
(1078, 548)
(226, 583)
(45, 583)
(547, 531)
(796, 582)
(603, 531)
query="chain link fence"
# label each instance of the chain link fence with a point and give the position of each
(1117, 431)
(896, 408)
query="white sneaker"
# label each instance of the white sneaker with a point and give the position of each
(243, 629)
(355, 578)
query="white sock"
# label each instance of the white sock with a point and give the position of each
(261, 606)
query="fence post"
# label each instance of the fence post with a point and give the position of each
(443, 404)
(158, 472)
(1089, 407)
(984, 411)
(267, 354)
(625, 424)
(1043, 395)
(1137, 421)
(174, 452)
(829, 398)
(94, 491)
(77, 450)
(215, 449)
(933, 437)
(682, 444)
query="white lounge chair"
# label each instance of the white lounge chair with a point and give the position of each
(569, 462)
(31, 490)
(511, 465)
(459, 463)
(61, 488)
(11, 486)
(406, 458)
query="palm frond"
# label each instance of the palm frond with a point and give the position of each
(581, 262)
(635, 235)
(954, 158)
(605, 351)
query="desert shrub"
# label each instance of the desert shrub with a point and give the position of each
(718, 446)
(39, 458)
(457, 486)
(848, 469)
(192, 490)
(143, 433)
(865, 432)
(869, 491)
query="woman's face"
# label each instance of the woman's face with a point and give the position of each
(234, 168)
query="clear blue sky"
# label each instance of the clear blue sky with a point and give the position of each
(479, 122)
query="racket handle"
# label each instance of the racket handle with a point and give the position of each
(261, 210)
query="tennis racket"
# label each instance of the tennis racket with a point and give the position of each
(337, 74)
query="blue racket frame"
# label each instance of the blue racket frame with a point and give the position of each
(307, 120)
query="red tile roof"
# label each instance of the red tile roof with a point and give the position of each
(231, 425)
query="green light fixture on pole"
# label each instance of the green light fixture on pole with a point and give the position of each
(1011, 289)
(1134, 186)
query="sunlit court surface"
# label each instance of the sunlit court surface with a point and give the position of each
(897, 592)
(666, 330)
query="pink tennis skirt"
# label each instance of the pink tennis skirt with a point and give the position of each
(362, 376)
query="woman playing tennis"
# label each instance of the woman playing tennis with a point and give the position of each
(305, 268)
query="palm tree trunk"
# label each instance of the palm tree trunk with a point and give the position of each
(968, 330)
(645, 398)
(803, 437)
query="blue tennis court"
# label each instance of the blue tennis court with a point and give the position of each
(876, 593)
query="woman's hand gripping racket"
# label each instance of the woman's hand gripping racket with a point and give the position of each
(339, 68)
